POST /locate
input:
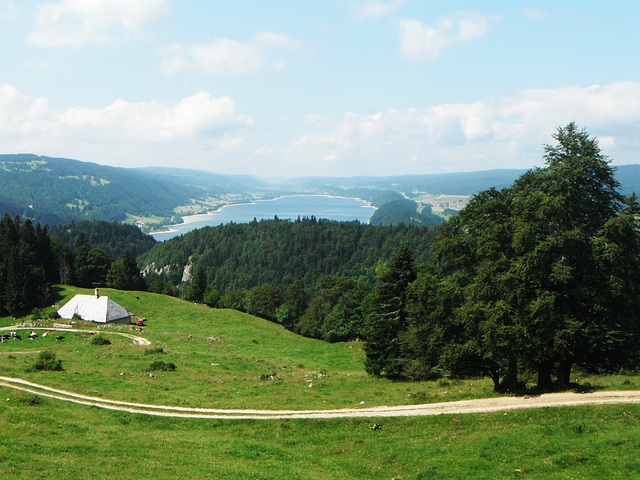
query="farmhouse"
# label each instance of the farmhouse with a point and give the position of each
(95, 308)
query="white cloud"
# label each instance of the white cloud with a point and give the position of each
(20, 114)
(534, 14)
(9, 11)
(423, 43)
(201, 131)
(157, 121)
(28, 125)
(501, 132)
(223, 56)
(78, 22)
(276, 40)
(375, 8)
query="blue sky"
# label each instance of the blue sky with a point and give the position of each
(305, 87)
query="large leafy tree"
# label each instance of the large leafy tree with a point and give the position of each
(543, 275)
(570, 222)
(480, 318)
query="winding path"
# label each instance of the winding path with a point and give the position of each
(136, 339)
(457, 407)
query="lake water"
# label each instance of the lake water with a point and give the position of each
(320, 206)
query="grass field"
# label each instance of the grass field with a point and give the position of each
(226, 359)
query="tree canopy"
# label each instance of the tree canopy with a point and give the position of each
(539, 277)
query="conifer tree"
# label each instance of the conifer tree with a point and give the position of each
(387, 319)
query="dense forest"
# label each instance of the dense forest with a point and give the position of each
(312, 276)
(237, 256)
(405, 211)
(32, 260)
(112, 237)
(26, 266)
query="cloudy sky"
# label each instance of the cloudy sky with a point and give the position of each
(306, 87)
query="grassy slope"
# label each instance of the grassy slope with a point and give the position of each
(41, 438)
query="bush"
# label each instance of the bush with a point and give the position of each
(100, 340)
(30, 399)
(165, 367)
(154, 350)
(47, 361)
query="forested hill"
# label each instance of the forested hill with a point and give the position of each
(112, 237)
(237, 256)
(405, 211)
(60, 190)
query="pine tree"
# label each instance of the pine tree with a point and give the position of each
(388, 316)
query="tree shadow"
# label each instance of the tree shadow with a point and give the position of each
(55, 293)
(534, 391)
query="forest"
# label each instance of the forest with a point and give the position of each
(405, 211)
(528, 281)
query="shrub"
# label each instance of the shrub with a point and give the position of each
(153, 350)
(100, 340)
(47, 361)
(165, 367)
(30, 399)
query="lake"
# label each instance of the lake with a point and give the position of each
(291, 207)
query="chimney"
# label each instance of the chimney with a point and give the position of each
(97, 294)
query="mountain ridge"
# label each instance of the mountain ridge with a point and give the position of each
(56, 190)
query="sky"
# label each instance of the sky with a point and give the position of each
(317, 88)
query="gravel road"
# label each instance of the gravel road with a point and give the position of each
(458, 407)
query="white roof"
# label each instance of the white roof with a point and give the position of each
(94, 309)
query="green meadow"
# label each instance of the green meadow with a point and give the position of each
(226, 359)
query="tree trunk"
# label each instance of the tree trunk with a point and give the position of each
(496, 381)
(564, 373)
(511, 377)
(544, 375)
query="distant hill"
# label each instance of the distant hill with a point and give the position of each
(405, 212)
(60, 190)
(466, 183)
(629, 178)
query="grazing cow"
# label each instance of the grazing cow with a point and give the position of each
(33, 335)
(44, 334)
(60, 337)
(17, 337)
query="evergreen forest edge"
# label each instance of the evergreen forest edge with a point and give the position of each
(541, 276)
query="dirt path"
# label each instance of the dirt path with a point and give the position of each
(457, 407)
(136, 339)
